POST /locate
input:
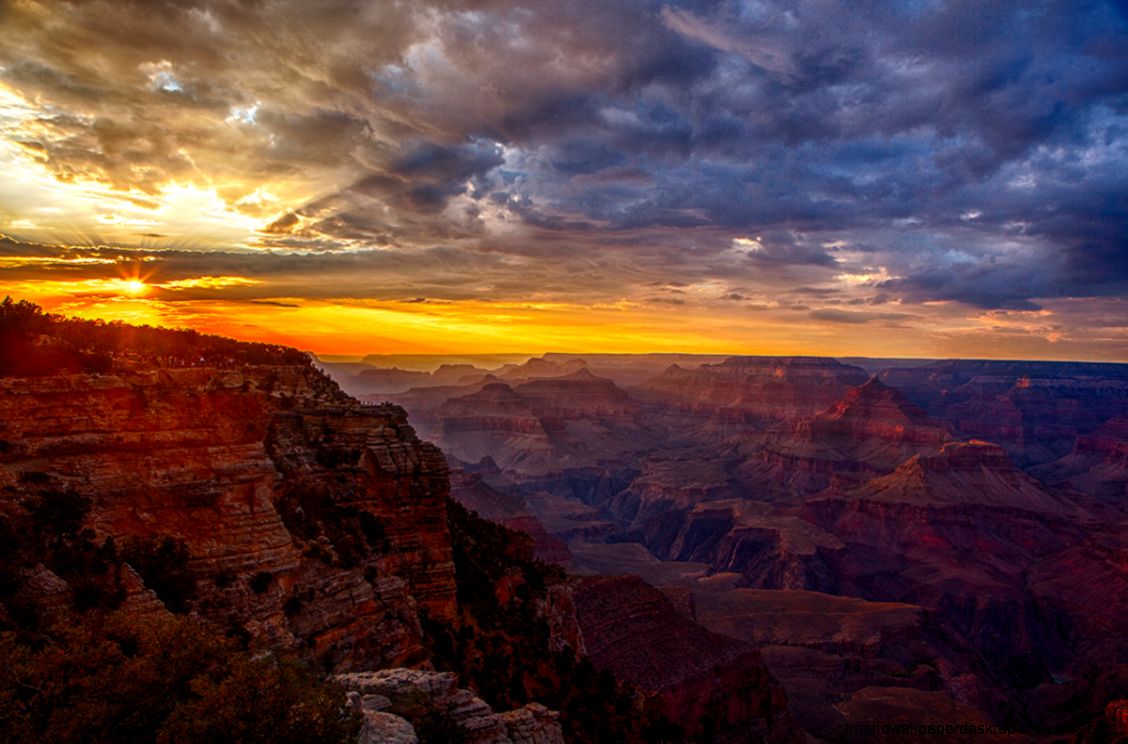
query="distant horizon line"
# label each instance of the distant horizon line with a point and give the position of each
(358, 358)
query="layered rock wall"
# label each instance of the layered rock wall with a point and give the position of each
(222, 460)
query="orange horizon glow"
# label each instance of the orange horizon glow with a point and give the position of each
(358, 328)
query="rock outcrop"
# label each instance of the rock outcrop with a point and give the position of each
(825, 650)
(539, 367)
(973, 474)
(509, 509)
(1097, 465)
(540, 426)
(396, 702)
(495, 422)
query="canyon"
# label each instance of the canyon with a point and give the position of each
(631, 548)
(899, 540)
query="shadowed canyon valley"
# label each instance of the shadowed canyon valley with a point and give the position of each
(902, 541)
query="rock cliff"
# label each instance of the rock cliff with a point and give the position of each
(540, 426)
(1097, 464)
(869, 431)
(239, 464)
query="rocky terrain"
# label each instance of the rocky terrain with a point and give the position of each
(149, 474)
(540, 425)
(394, 702)
(221, 460)
(895, 538)
(762, 548)
(1097, 464)
(766, 389)
(1035, 410)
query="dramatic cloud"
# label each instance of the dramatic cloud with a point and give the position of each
(811, 172)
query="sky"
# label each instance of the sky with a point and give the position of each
(915, 178)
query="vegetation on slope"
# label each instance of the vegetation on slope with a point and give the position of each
(88, 671)
(115, 677)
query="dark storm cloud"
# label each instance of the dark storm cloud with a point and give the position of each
(973, 152)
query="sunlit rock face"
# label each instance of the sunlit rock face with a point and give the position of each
(236, 463)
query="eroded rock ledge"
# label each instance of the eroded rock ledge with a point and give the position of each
(395, 702)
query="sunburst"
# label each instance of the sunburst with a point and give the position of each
(134, 287)
(133, 283)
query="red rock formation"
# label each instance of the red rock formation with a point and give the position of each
(1089, 582)
(1116, 714)
(1004, 562)
(634, 369)
(875, 411)
(363, 380)
(870, 431)
(495, 422)
(513, 511)
(766, 547)
(651, 505)
(577, 395)
(1097, 465)
(974, 474)
(825, 649)
(211, 456)
(538, 367)
(1035, 410)
(774, 388)
(540, 426)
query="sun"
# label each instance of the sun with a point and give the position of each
(132, 282)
